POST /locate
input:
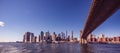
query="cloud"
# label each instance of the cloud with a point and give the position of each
(2, 24)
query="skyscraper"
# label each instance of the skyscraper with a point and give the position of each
(35, 39)
(38, 38)
(71, 36)
(31, 37)
(47, 36)
(68, 38)
(42, 36)
(66, 34)
(53, 36)
(62, 35)
(58, 37)
(26, 38)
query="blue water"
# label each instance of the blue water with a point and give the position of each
(59, 48)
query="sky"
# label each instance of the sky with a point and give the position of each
(20, 16)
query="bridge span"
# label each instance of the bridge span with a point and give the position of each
(100, 11)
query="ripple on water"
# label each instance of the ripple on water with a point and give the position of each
(1, 48)
(58, 48)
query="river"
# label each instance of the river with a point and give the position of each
(59, 48)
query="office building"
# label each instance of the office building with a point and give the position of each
(38, 38)
(53, 36)
(42, 36)
(47, 36)
(31, 37)
(58, 38)
(26, 38)
(71, 36)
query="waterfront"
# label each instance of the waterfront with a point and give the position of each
(58, 48)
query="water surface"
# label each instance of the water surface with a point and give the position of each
(59, 48)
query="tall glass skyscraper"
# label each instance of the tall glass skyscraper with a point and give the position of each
(42, 36)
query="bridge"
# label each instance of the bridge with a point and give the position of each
(100, 11)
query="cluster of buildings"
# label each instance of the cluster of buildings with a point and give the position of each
(29, 37)
(102, 39)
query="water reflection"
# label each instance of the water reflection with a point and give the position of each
(85, 48)
(58, 48)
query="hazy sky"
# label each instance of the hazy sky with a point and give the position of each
(19, 16)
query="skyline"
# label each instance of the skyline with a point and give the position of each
(49, 15)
